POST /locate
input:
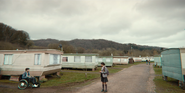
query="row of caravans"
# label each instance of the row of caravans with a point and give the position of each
(143, 59)
(48, 61)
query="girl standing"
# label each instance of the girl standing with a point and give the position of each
(104, 73)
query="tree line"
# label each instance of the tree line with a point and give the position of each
(102, 47)
(67, 48)
(11, 38)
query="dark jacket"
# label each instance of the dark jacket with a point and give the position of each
(25, 75)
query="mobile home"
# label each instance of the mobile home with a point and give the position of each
(79, 61)
(120, 59)
(108, 60)
(157, 60)
(151, 59)
(148, 58)
(173, 64)
(40, 61)
(144, 59)
(137, 59)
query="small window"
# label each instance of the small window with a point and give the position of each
(65, 59)
(88, 59)
(54, 59)
(77, 59)
(8, 59)
(37, 59)
(119, 60)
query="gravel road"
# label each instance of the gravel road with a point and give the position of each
(135, 79)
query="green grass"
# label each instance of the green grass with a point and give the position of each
(69, 77)
(158, 71)
(111, 70)
(7, 81)
(170, 86)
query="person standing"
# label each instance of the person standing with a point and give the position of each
(147, 62)
(104, 73)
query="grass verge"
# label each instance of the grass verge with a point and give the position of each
(69, 77)
(170, 86)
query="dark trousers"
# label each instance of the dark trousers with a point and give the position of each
(32, 80)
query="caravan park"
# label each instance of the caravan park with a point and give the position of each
(92, 46)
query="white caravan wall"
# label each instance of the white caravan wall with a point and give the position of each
(183, 60)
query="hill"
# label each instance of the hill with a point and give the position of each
(95, 44)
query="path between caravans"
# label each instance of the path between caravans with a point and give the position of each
(135, 79)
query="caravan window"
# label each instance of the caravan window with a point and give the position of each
(37, 59)
(54, 59)
(88, 58)
(65, 59)
(8, 59)
(77, 59)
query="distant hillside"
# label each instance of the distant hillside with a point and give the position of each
(95, 44)
(44, 42)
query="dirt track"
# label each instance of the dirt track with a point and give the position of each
(135, 79)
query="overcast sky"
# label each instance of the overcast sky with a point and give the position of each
(144, 22)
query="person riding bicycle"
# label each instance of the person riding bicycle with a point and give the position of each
(26, 75)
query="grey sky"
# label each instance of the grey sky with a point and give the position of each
(145, 22)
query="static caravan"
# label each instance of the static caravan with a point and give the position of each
(40, 61)
(137, 59)
(108, 60)
(173, 64)
(144, 59)
(79, 61)
(147, 58)
(157, 60)
(120, 59)
(151, 59)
